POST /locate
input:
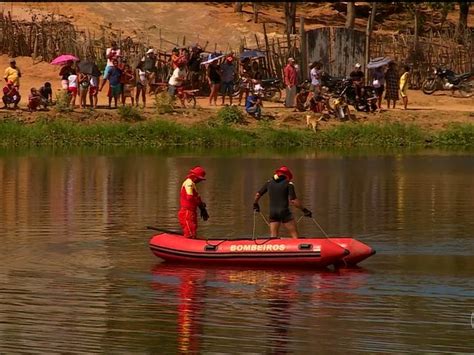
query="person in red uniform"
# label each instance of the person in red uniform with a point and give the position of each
(190, 201)
(281, 192)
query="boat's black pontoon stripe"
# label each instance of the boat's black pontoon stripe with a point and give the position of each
(215, 255)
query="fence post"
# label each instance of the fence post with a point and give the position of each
(303, 55)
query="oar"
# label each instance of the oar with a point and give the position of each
(164, 230)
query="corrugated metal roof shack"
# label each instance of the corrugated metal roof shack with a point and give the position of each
(337, 48)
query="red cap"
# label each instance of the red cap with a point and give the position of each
(198, 172)
(230, 58)
(284, 171)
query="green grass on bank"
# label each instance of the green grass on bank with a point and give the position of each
(162, 133)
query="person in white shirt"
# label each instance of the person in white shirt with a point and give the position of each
(112, 53)
(177, 80)
(72, 87)
(315, 75)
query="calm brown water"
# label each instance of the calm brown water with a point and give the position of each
(77, 275)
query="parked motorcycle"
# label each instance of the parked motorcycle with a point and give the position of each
(446, 79)
(271, 89)
(366, 102)
(332, 83)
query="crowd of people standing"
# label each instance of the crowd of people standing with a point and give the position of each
(127, 83)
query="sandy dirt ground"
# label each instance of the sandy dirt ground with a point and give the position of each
(429, 111)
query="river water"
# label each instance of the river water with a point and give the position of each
(77, 275)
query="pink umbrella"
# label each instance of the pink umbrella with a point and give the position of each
(63, 59)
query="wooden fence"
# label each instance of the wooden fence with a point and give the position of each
(338, 49)
(430, 52)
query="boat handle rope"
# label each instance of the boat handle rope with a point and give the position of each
(254, 228)
(315, 222)
(216, 245)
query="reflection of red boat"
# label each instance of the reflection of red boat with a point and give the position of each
(307, 252)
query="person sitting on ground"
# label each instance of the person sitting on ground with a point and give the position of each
(115, 88)
(282, 193)
(46, 93)
(13, 73)
(11, 95)
(177, 80)
(34, 100)
(190, 201)
(404, 79)
(253, 104)
(357, 77)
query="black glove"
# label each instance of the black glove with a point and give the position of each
(307, 213)
(256, 207)
(204, 214)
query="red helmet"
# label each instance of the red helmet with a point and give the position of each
(284, 171)
(198, 172)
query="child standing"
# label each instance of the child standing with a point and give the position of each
(72, 88)
(404, 85)
(83, 89)
(93, 89)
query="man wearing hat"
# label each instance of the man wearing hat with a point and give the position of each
(290, 78)
(13, 73)
(281, 192)
(227, 77)
(357, 76)
(190, 201)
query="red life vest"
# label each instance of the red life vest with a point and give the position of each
(189, 197)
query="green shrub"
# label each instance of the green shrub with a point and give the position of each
(164, 103)
(62, 102)
(129, 113)
(231, 114)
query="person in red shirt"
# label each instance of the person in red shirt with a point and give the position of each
(190, 201)
(290, 77)
(11, 95)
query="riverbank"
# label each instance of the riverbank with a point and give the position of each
(205, 128)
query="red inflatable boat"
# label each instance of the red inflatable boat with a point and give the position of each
(307, 252)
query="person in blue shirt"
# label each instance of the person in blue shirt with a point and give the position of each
(113, 76)
(253, 104)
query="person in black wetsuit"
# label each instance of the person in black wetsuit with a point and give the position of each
(281, 192)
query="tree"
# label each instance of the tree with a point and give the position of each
(463, 14)
(350, 15)
(290, 17)
(255, 6)
(238, 6)
(368, 35)
(443, 7)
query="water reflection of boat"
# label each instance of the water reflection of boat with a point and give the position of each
(246, 298)
(307, 252)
